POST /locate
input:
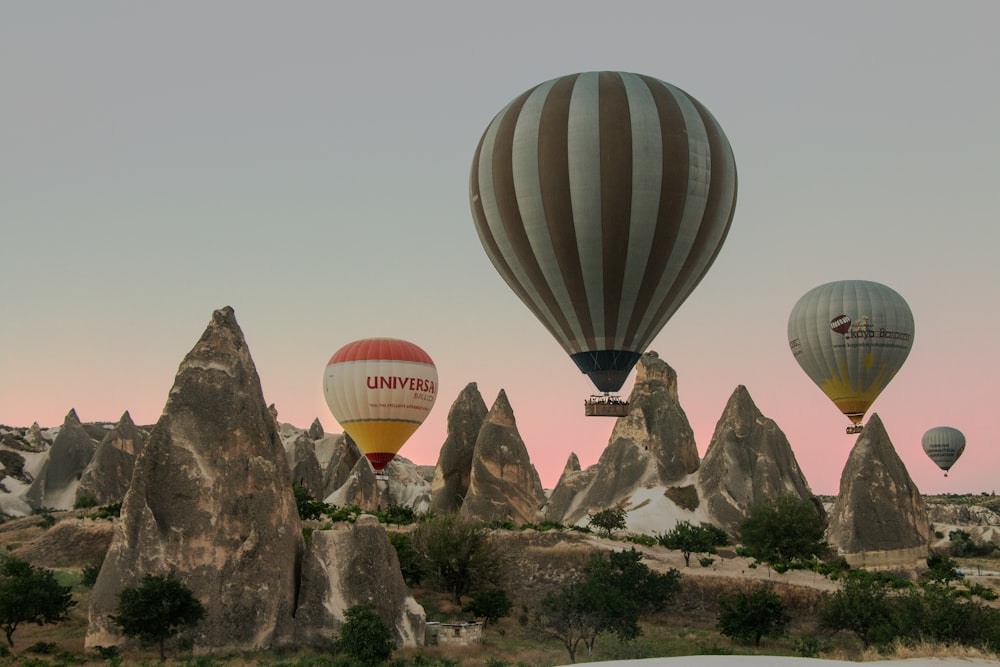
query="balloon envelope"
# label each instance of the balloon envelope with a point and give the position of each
(851, 337)
(943, 444)
(602, 199)
(380, 390)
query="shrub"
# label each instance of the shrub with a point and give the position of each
(365, 637)
(608, 520)
(750, 616)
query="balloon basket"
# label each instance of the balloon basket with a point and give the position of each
(855, 428)
(606, 405)
(381, 476)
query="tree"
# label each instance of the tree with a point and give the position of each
(749, 616)
(690, 539)
(30, 594)
(783, 531)
(411, 564)
(614, 592)
(490, 604)
(157, 609)
(865, 605)
(608, 520)
(365, 636)
(459, 554)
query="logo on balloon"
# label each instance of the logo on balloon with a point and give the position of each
(841, 324)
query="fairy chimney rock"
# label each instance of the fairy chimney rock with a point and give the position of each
(503, 484)
(748, 460)
(211, 502)
(879, 515)
(453, 470)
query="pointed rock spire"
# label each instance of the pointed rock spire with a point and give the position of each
(503, 485)
(56, 482)
(879, 517)
(748, 460)
(453, 470)
(106, 479)
(211, 502)
(316, 431)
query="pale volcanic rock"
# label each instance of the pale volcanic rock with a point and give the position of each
(55, 484)
(651, 451)
(571, 482)
(879, 508)
(107, 477)
(303, 464)
(211, 502)
(748, 460)
(342, 459)
(503, 484)
(454, 465)
(360, 488)
(343, 568)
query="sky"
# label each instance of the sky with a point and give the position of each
(307, 163)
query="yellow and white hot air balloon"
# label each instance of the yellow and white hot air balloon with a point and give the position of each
(943, 444)
(602, 199)
(851, 337)
(380, 390)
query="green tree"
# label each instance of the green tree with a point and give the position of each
(490, 604)
(608, 520)
(749, 616)
(157, 609)
(783, 531)
(867, 604)
(459, 554)
(30, 594)
(612, 596)
(365, 636)
(410, 562)
(309, 508)
(689, 539)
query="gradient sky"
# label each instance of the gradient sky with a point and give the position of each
(307, 164)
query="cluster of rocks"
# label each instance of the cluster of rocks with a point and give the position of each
(207, 493)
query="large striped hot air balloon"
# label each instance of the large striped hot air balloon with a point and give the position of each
(943, 444)
(851, 337)
(602, 198)
(380, 390)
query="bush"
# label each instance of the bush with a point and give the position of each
(784, 532)
(490, 604)
(365, 637)
(748, 617)
(410, 562)
(84, 502)
(608, 520)
(88, 576)
(157, 609)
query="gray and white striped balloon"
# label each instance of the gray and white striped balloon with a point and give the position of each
(602, 199)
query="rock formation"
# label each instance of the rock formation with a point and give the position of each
(652, 447)
(316, 431)
(454, 464)
(210, 501)
(343, 568)
(503, 484)
(107, 476)
(55, 484)
(748, 460)
(879, 517)
(343, 458)
(304, 466)
(571, 482)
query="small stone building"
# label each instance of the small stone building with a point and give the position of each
(453, 634)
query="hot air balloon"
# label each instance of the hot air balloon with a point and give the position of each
(380, 390)
(602, 199)
(851, 337)
(943, 444)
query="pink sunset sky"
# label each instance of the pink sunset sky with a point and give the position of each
(307, 164)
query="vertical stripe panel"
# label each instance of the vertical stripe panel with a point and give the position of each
(647, 184)
(615, 132)
(553, 164)
(583, 152)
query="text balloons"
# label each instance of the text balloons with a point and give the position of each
(602, 199)
(943, 444)
(380, 390)
(851, 337)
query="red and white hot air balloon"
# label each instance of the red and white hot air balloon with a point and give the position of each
(380, 390)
